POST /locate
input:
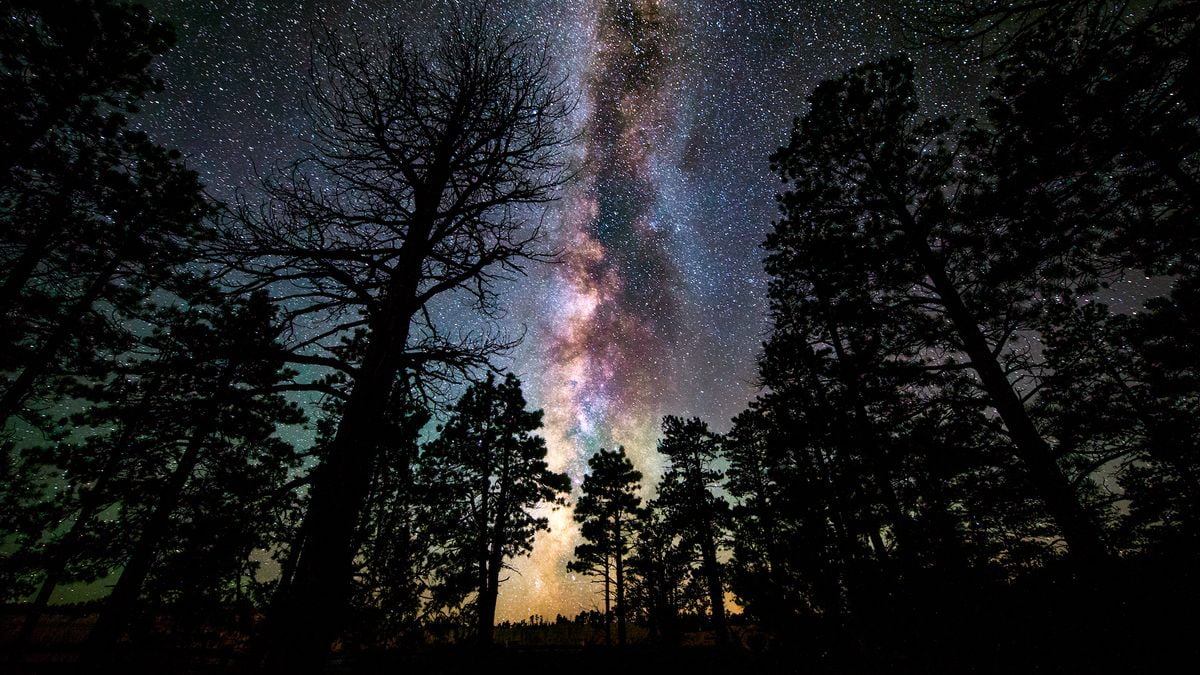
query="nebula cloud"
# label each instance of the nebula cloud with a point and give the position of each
(615, 298)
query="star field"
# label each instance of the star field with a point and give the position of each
(658, 305)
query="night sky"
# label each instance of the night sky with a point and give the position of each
(658, 306)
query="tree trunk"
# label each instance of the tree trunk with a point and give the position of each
(495, 552)
(90, 504)
(491, 590)
(838, 508)
(716, 593)
(862, 435)
(620, 593)
(877, 545)
(1081, 533)
(119, 606)
(287, 570)
(310, 617)
(55, 569)
(21, 271)
(607, 604)
(262, 643)
(482, 601)
(652, 623)
(835, 470)
(668, 611)
(487, 606)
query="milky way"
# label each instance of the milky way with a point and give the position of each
(618, 320)
(615, 311)
(657, 306)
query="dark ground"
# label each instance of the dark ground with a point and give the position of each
(803, 656)
(1143, 622)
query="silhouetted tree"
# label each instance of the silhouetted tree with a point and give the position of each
(392, 565)
(1093, 130)
(487, 475)
(95, 216)
(858, 343)
(856, 410)
(658, 569)
(592, 559)
(219, 453)
(180, 443)
(67, 72)
(606, 512)
(1123, 392)
(1093, 122)
(1091, 140)
(863, 165)
(425, 157)
(686, 497)
(767, 571)
(793, 453)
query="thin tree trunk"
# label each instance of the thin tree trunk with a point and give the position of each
(877, 545)
(90, 505)
(482, 634)
(652, 622)
(497, 537)
(620, 592)
(716, 593)
(835, 471)
(838, 508)
(669, 610)
(864, 437)
(487, 604)
(55, 570)
(261, 645)
(22, 270)
(1081, 533)
(120, 606)
(607, 604)
(491, 590)
(288, 569)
